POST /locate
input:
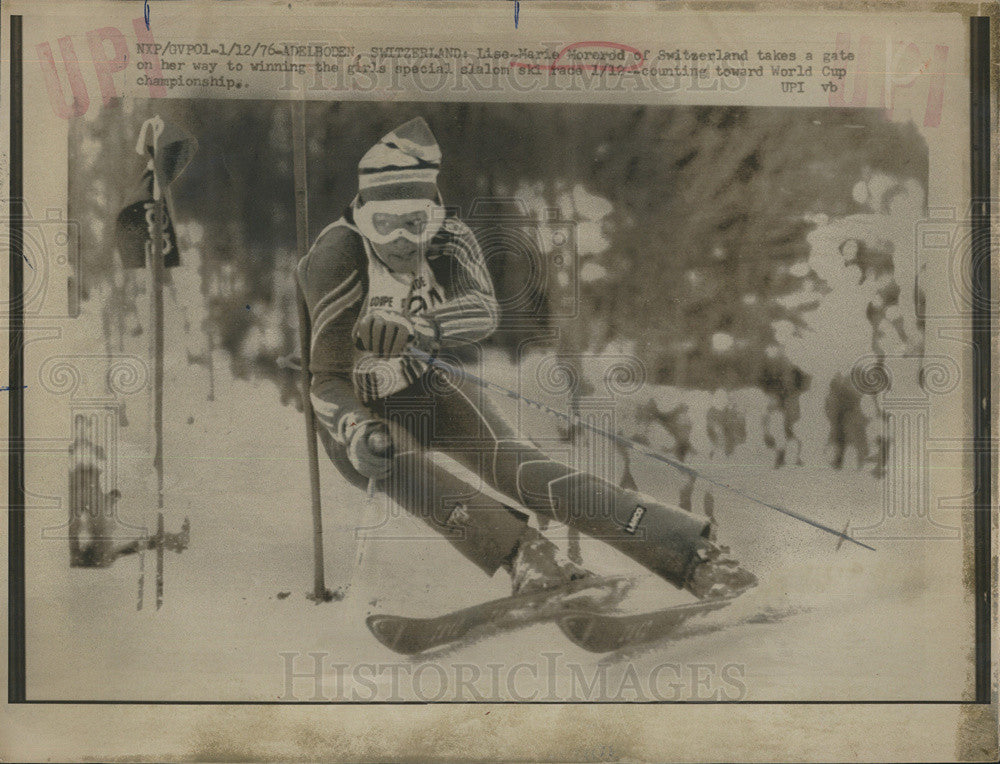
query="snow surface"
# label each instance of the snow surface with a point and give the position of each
(845, 624)
(824, 624)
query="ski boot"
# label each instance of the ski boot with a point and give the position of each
(539, 564)
(718, 575)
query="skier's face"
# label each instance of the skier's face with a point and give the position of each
(399, 254)
(399, 229)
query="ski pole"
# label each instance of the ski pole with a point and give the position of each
(626, 443)
(361, 535)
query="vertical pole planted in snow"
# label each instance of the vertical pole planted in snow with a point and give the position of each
(156, 298)
(178, 149)
(320, 593)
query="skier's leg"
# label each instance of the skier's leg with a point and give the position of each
(834, 408)
(686, 494)
(667, 540)
(859, 437)
(76, 514)
(792, 414)
(840, 443)
(772, 425)
(486, 531)
(481, 528)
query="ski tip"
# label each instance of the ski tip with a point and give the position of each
(388, 629)
(608, 632)
(577, 629)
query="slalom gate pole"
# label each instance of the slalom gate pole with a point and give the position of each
(156, 298)
(319, 593)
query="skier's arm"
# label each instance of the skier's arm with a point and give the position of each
(363, 435)
(471, 313)
(330, 283)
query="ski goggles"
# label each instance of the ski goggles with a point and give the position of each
(416, 220)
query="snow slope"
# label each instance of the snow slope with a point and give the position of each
(825, 623)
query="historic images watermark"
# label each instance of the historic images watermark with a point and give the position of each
(550, 678)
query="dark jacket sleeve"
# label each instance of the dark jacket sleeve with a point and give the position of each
(332, 281)
(470, 313)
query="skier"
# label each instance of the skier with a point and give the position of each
(725, 424)
(783, 382)
(677, 422)
(92, 510)
(90, 506)
(394, 273)
(848, 422)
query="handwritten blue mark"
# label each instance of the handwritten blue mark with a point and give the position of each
(248, 307)
(517, 10)
(145, 13)
(7, 387)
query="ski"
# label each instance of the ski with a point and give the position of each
(410, 636)
(607, 632)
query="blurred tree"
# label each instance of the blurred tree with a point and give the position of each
(706, 219)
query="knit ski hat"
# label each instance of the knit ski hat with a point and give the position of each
(404, 164)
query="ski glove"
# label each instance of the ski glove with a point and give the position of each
(369, 448)
(387, 333)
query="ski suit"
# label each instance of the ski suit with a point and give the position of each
(426, 410)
